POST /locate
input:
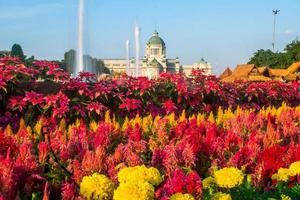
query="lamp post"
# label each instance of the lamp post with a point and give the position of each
(275, 12)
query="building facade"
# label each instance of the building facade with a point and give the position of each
(155, 62)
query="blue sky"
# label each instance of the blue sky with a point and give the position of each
(224, 32)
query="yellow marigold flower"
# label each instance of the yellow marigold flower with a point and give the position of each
(295, 168)
(285, 197)
(134, 191)
(139, 174)
(221, 196)
(208, 182)
(229, 177)
(283, 174)
(180, 196)
(96, 187)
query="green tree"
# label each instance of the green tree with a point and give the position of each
(17, 50)
(268, 58)
(29, 61)
(293, 52)
(101, 68)
(277, 59)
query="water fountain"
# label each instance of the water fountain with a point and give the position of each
(79, 56)
(137, 49)
(127, 46)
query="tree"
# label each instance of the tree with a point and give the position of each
(293, 51)
(101, 68)
(17, 50)
(279, 60)
(268, 58)
(29, 61)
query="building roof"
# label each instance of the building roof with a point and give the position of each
(154, 62)
(5, 52)
(155, 39)
(246, 72)
(291, 77)
(258, 78)
(279, 72)
(202, 61)
(243, 70)
(227, 72)
(294, 67)
(263, 69)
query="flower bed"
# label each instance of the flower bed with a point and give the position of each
(171, 138)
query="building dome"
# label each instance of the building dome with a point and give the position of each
(155, 39)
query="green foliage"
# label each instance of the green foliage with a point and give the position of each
(293, 51)
(278, 60)
(101, 68)
(29, 61)
(17, 50)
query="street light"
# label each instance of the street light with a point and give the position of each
(275, 12)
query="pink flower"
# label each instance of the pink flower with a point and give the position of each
(169, 106)
(130, 104)
(97, 107)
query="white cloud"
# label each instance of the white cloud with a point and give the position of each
(289, 32)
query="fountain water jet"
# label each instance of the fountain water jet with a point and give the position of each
(127, 45)
(137, 49)
(79, 56)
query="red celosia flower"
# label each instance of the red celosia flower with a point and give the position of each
(68, 191)
(43, 151)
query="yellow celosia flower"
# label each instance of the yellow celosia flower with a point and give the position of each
(38, 126)
(146, 123)
(77, 123)
(139, 174)
(107, 117)
(134, 191)
(182, 117)
(208, 182)
(8, 131)
(283, 174)
(285, 197)
(229, 177)
(180, 196)
(295, 168)
(136, 121)
(171, 119)
(93, 126)
(220, 116)
(221, 196)
(192, 117)
(200, 118)
(125, 124)
(211, 118)
(62, 125)
(96, 187)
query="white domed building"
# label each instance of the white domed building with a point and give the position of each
(155, 61)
